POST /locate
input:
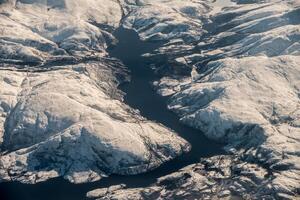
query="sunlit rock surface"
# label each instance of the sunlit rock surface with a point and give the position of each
(61, 113)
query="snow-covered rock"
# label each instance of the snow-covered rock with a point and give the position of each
(255, 108)
(51, 31)
(252, 104)
(61, 113)
(246, 95)
(167, 20)
(220, 177)
(247, 92)
(63, 123)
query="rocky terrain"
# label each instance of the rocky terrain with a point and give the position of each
(61, 111)
(60, 104)
(244, 92)
(221, 177)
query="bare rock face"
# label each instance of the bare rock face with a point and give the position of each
(61, 113)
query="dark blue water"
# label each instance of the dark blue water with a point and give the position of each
(139, 95)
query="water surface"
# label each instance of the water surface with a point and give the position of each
(139, 95)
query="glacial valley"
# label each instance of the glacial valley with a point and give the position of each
(202, 95)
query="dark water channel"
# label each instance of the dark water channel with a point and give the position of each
(139, 95)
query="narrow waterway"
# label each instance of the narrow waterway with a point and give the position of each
(139, 95)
